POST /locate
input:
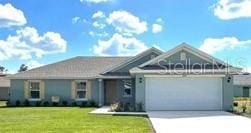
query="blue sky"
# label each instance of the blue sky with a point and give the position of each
(44, 31)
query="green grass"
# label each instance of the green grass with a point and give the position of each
(67, 120)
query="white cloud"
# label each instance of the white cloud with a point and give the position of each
(11, 16)
(98, 14)
(102, 34)
(75, 20)
(33, 64)
(95, 1)
(98, 25)
(159, 20)
(232, 9)
(27, 43)
(126, 23)
(119, 45)
(156, 28)
(213, 45)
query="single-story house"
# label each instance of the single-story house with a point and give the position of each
(243, 83)
(183, 78)
(4, 87)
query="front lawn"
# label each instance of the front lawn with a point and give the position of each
(67, 119)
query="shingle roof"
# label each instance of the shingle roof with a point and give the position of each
(4, 82)
(79, 67)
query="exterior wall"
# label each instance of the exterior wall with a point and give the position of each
(57, 87)
(120, 92)
(238, 91)
(175, 58)
(140, 89)
(228, 91)
(4, 93)
(136, 63)
(119, 87)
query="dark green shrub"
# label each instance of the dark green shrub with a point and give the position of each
(139, 107)
(8, 103)
(93, 103)
(38, 103)
(84, 104)
(26, 103)
(54, 103)
(244, 108)
(18, 103)
(46, 103)
(235, 104)
(65, 103)
(74, 104)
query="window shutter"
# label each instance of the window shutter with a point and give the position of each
(26, 89)
(73, 90)
(42, 89)
(89, 89)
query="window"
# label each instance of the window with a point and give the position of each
(127, 88)
(246, 91)
(81, 90)
(182, 56)
(34, 90)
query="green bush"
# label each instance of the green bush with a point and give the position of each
(26, 103)
(18, 103)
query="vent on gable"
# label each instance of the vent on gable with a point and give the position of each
(152, 56)
(183, 56)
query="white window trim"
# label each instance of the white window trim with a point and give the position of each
(183, 56)
(124, 95)
(34, 81)
(76, 90)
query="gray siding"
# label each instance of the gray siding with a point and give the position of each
(140, 61)
(175, 58)
(61, 88)
(16, 90)
(4, 93)
(120, 87)
(140, 89)
(228, 92)
(238, 91)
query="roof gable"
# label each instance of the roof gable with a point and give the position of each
(135, 61)
(186, 48)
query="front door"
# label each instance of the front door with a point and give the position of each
(110, 91)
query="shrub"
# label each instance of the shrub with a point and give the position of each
(65, 103)
(38, 103)
(46, 103)
(8, 103)
(18, 103)
(26, 103)
(93, 103)
(244, 108)
(139, 107)
(235, 104)
(74, 103)
(54, 103)
(83, 104)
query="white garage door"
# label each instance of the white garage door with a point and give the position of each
(188, 93)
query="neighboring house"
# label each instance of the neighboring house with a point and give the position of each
(4, 87)
(243, 83)
(158, 80)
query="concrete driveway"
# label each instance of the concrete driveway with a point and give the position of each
(198, 122)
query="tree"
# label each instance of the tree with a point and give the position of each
(3, 69)
(22, 68)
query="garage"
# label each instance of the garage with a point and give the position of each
(183, 93)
